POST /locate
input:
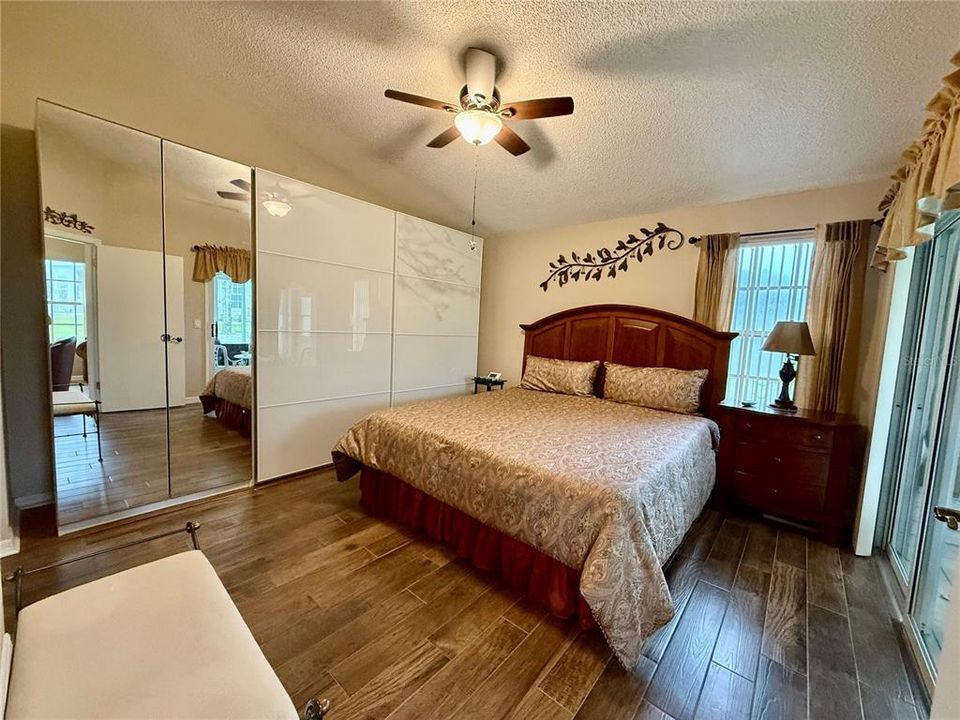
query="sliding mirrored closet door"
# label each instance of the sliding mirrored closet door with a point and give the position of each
(209, 319)
(103, 229)
(128, 220)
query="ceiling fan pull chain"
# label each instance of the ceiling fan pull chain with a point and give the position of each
(473, 215)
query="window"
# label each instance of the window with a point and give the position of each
(773, 274)
(233, 311)
(67, 299)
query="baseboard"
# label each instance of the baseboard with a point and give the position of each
(24, 502)
(194, 400)
(6, 664)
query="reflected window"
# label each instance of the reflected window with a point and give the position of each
(233, 315)
(66, 299)
(360, 313)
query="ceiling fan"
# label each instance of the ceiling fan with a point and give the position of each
(274, 202)
(479, 118)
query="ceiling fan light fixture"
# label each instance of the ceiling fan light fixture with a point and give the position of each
(478, 127)
(277, 208)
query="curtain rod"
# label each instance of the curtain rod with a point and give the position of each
(776, 232)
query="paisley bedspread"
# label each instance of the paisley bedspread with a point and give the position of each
(606, 488)
(232, 384)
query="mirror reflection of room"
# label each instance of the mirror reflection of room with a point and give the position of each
(207, 224)
(150, 361)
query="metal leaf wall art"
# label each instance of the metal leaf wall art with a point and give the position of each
(68, 220)
(611, 261)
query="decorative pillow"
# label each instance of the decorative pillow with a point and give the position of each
(654, 387)
(559, 376)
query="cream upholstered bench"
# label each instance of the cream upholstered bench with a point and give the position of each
(162, 640)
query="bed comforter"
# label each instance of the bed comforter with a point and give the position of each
(606, 488)
(234, 384)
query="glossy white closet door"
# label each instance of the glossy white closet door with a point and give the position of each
(437, 312)
(324, 313)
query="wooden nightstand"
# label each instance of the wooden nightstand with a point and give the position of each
(802, 467)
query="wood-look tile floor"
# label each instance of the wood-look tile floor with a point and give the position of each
(388, 624)
(204, 454)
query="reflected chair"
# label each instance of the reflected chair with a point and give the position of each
(61, 363)
(82, 354)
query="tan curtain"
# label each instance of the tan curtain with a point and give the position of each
(231, 261)
(827, 380)
(928, 181)
(716, 280)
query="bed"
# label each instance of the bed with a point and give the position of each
(578, 499)
(229, 395)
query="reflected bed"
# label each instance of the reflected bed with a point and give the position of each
(229, 395)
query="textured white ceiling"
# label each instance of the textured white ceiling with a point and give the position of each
(678, 104)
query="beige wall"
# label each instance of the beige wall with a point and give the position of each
(514, 265)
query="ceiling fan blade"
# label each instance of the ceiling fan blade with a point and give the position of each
(510, 141)
(219, 206)
(227, 195)
(241, 183)
(542, 108)
(419, 100)
(444, 138)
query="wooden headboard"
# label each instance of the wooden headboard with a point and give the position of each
(632, 335)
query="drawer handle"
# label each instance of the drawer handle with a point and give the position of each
(774, 491)
(778, 459)
(748, 426)
(818, 437)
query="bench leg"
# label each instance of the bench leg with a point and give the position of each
(96, 421)
(316, 709)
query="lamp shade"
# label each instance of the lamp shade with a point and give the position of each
(790, 337)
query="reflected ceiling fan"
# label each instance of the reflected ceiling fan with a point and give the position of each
(274, 202)
(479, 118)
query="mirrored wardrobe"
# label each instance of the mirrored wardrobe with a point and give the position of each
(150, 315)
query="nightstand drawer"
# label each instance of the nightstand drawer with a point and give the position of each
(792, 500)
(774, 460)
(772, 430)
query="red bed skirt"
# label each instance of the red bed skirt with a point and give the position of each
(231, 415)
(541, 578)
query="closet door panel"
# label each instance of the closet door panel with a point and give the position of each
(209, 320)
(325, 305)
(426, 362)
(295, 366)
(430, 307)
(406, 396)
(428, 250)
(299, 437)
(301, 295)
(323, 225)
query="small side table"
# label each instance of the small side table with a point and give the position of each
(488, 383)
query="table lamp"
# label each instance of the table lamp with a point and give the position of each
(793, 339)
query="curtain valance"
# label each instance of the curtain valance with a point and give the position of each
(929, 179)
(233, 262)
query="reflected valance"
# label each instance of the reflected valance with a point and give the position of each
(928, 181)
(233, 262)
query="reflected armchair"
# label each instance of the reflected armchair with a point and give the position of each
(61, 363)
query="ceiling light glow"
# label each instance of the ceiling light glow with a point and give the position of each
(478, 127)
(277, 208)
